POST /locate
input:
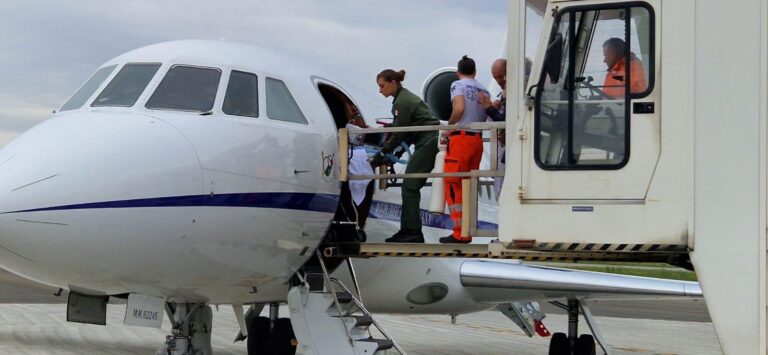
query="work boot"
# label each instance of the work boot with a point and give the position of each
(451, 240)
(406, 236)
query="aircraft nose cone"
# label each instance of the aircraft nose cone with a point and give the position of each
(93, 157)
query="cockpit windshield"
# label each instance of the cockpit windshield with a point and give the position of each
(84, 93)
(186, 88)
(127, 86)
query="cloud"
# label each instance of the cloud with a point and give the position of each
(49, 48)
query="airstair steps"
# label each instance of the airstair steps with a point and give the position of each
(330, 319)
(346, 303)
(381, 344)
(363, 321)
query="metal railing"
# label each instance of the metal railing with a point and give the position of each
(365, 311)
(470, 180)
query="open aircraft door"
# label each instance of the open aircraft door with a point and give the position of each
(586, 152)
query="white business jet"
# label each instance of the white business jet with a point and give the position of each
(192, 173)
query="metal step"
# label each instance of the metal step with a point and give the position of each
(363, 321)
(382, 344)
(346, 303)
(343, 297)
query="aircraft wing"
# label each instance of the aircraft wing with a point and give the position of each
(499, 282)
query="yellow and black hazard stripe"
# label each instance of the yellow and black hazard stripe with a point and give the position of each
(538, 252)
(672, 248)
(424, 254)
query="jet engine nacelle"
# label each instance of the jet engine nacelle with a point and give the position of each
(436, 92)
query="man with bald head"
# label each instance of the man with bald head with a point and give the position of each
(496, 110)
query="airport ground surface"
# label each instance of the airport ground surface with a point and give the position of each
(664, 327)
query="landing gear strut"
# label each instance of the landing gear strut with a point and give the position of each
(191, 329)
(573, 343)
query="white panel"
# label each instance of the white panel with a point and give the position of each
(728, 142)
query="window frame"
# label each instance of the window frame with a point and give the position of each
(112, 78)
(258, 93)
(95, 91)
(268, 77)
(165, 74)
(571, 12)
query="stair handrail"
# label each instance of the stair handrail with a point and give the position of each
(332, 290)
(366, 312)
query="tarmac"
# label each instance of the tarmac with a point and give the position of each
(630, 327)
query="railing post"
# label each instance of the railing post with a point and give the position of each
(466, 203)
(494, 149)
(473, 186)
(383, 182)
(343, 154)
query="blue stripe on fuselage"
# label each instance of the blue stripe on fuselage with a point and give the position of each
(326, 203)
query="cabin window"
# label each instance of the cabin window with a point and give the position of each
(186, 88)
(582, 104)
(86, 91)
(242, 98)
(126, 87)
(281, 105)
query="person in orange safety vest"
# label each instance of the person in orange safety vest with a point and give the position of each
(614, 84)
(465, 147)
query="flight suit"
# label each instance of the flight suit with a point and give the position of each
(409, 110)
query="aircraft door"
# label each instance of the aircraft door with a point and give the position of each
(595, 113)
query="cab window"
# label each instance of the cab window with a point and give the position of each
(242, 97)
(84, 93)
(281, 105)
(186, 88)
(126, 87)
(597, 60)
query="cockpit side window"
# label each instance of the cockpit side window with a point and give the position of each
(281, 105)
(84, 93)
(126, 87)
(186, 88)
(242, 98)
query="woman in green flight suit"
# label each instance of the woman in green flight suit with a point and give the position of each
(408, 110)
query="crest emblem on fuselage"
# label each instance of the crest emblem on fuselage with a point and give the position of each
(328, 161)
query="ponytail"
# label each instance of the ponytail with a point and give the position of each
(389, 75)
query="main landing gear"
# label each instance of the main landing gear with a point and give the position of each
(271, 335)
(573, 343)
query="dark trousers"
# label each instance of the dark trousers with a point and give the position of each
(422, 161)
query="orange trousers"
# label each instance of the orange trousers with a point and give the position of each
(463, 155)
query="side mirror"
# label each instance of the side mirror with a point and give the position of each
(554, 58)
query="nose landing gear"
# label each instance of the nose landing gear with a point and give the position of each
(191, 329)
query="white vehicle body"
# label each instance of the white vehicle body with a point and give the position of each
(695, 177)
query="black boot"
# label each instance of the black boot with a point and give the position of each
(406, 236)
(451, 240)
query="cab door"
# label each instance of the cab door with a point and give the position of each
(594, 119)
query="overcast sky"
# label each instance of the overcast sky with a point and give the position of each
(48, 48)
